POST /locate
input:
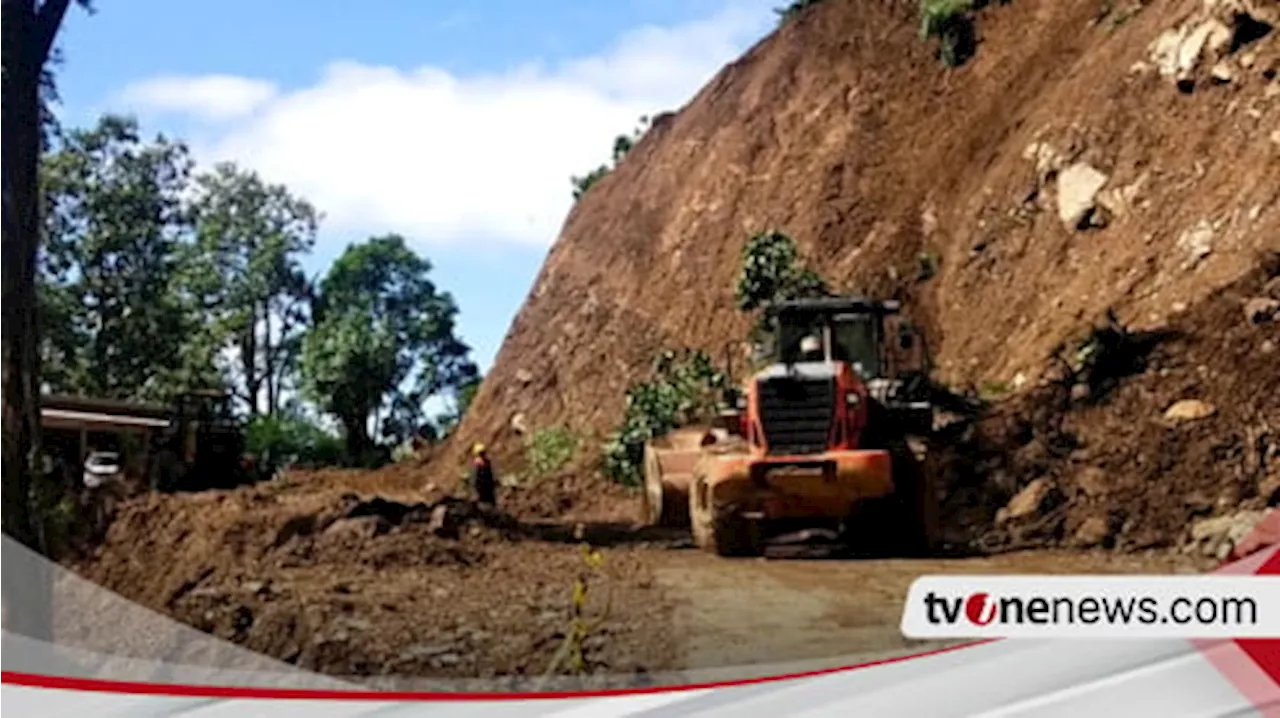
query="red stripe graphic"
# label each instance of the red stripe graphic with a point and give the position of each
(1252, 665)
(208, 691)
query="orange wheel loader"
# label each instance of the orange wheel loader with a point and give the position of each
(814, 440)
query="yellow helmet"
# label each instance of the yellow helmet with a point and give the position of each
(477, 449)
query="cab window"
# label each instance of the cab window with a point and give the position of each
(854, 341)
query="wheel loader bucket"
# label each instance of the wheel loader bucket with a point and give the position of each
(669, 462)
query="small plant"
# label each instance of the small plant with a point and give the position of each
(622, 144)
(685, 386)
(950, 22)
(550, 450)
(792, 11)
(1108, 354)
(585, 182)
(991, 390)
(1116, 17)
(926, 266)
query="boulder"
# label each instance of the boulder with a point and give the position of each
(1093, 531)
(1261, 310)
(1179, 52)
(519, 424)
(1078, 188)
(361, 527)
(1197, 242)
(1026, 502)
(1189, 410)
(1047, 159)
(1217, 536)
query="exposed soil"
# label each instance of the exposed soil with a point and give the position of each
(843, 130)
(316, 576)
(366, 588)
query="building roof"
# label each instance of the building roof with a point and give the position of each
(114, 407)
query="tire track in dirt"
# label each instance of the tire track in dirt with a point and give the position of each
(814, 614)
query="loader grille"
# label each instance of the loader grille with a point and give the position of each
(796, 414)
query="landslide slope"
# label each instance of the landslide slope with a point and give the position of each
(843, 130)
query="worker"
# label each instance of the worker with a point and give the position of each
(811, 348)
(482, 475)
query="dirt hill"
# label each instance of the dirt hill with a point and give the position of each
(1071, 167)
(844, 130)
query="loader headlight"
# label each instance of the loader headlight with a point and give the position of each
(852, 399)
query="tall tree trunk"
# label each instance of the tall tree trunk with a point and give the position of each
(357, 436)
(269, 360)
(27, 38)
(20, 243)
(249, 360)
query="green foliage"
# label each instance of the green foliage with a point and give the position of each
(950, 22)
(284, 440)
(585, 182)
(114, 224)
(383, 337)
(58, 517)
(771, 271)
(622, 144)
(137, 251)
(244, 274)
(1114, 17)
(445, 423)
(926, 266)
(550, 450)
(792, 11)
(684, 387)
(152, 283)
(991, 390)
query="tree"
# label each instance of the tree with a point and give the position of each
(115, 221)
(446, 422)
(29, 29)
(622, 144)
(382, 341)
(244, 271)
(771, 271)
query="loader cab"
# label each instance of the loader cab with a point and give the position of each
(846, 330)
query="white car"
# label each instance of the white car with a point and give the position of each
(100, 468)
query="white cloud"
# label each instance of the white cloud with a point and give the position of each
(211, 97)
(442, 158)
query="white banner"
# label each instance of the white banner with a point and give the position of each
(1093, 607)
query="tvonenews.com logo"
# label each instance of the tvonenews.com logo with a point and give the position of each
(1150, 606)
(983, 609)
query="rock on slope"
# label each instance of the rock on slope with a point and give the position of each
(1064, 170)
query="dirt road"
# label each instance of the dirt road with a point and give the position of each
(812, 614)
(362, 588)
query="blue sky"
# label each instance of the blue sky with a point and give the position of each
(456, 124)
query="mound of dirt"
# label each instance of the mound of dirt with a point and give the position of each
(1055, 176)
(308, 571)
(1193, 435)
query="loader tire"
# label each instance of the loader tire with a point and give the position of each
(912, 507)
(722, 531)
(661, 507)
